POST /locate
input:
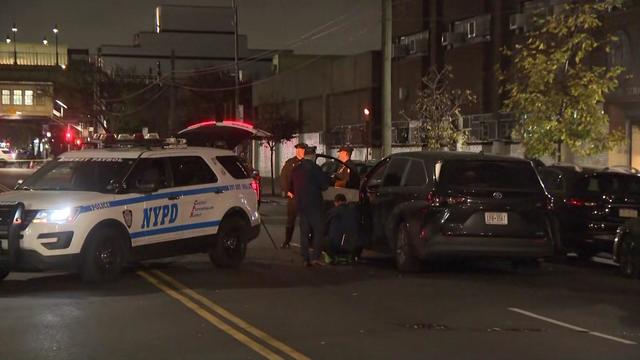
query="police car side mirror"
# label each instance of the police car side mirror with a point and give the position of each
(19, 182)
(116, 186)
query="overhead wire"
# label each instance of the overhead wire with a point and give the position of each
(144, 105)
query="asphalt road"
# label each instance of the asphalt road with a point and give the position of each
(273, 307)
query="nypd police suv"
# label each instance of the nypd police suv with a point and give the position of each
(95, 210)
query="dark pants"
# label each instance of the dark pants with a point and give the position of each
(292, 214)
(311, 229)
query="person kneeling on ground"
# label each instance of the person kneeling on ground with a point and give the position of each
(342, 231)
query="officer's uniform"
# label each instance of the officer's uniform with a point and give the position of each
(343, 174)
(285, 177)
(308, 181)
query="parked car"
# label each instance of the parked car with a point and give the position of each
(421, 205)
(6, 157)
(626, 248)
(590, 204)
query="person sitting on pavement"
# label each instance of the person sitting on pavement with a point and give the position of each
(342, 231)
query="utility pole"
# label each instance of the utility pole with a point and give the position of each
(386, 78)
(236, 102)
(172, 95)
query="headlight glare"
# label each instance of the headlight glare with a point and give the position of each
(56, 216)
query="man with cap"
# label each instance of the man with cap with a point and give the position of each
(285, 176)
(343, 174)
(308, 181)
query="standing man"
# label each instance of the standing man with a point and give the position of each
(285, 177)
(308, 181)
(343, 175)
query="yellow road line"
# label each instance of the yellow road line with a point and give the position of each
(234, 319)
(211, 318)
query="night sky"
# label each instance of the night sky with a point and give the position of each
(270, 24)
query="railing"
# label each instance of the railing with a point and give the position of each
(33, 58)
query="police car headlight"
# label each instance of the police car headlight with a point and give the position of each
(56, 216)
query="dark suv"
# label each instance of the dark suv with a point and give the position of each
(428, 204)
(591, 204)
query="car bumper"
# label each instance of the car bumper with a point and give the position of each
(475, 246)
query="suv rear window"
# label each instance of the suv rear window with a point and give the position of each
(486, 174)
(612, 184)
(234, 166)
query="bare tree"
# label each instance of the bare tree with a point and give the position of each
(439, 108)
(282, 126)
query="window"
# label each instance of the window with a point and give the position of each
(149, 171)
(235, 168)
(17, 97)
(28, 97)
(6, 97)
(191, 170)
(416, 174)
(485, 174)
(395, 172)
(471, 29)
(40, 98)
(375, 179)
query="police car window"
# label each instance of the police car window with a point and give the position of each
(393, 176)
(78, 174)
(234, 167)
(416, 174)
(191, 170)
(147, 171)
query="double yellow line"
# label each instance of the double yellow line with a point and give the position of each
(215, 314)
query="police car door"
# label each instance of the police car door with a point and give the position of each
(198, 186)
(153, 205)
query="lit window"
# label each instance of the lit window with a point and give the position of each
(17, 97)
(6, 97)
(28, 97)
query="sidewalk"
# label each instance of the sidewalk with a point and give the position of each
(273, 199)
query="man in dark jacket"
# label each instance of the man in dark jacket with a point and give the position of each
(343, 175)
(308, 181)
(285, 177)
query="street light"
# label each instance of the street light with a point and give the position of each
(55, 33)
(45, 42)
(8, 40)
(14, 30)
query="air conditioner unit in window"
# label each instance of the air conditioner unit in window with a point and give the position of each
(471, 29)
(517, 21)
(452, 38)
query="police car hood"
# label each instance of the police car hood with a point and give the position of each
(53, 199)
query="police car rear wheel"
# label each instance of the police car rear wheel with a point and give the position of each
(230, 247)
(104, 256)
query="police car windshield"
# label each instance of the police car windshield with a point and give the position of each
(90, 174)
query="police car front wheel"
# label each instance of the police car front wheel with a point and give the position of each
(230, 245)
(104, 256)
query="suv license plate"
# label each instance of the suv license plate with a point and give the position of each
(628, 213)
(496, 218)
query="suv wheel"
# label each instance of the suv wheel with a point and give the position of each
(230, 247)
(104, 256)
(629, 260)
(4, 272)
(406, 261)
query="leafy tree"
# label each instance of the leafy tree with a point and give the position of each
(554, 87)
(282, 126)
(439, 109)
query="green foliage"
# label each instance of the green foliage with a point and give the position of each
(439, 108)
(553, 86)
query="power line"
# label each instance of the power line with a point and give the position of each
(147, 103)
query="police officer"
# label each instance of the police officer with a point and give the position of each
(285, 177)
(308, 181)
(343, 174)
